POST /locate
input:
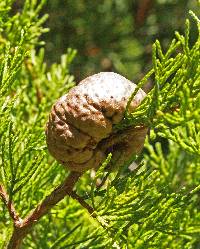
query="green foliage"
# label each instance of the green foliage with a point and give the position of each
(154, 206)
(174, 101)
(28, 89)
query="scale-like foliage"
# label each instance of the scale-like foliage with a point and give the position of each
(153, 206)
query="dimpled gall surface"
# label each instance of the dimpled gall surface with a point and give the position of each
(81, 121)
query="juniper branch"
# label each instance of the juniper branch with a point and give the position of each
(83, 203)
(8, 203)
(22, 228)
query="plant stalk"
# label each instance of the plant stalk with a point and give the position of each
(22, 227)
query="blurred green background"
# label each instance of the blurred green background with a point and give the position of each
(112, 35)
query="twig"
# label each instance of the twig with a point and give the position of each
(83, 203)
(21, 229)
(8, 203)
(51, 200)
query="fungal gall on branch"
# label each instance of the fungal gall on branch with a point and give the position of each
(80, 132)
